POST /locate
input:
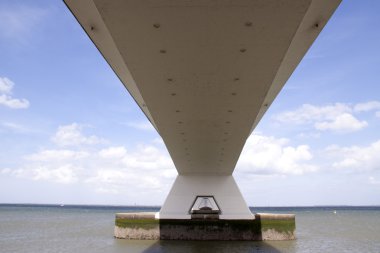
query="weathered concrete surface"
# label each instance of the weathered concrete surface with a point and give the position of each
(265, 226)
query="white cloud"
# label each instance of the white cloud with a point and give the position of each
(342, 123)
(269, 155)
(107, 170)
(110, 176)
(355, 158)
(147, 157)
(5, 171)
(113, 152)
(374, 181)
(377, 114)
(309, 135)
(6, 85)
(13, 103)
(145, 125)
(6, 99)
(65, 174)
(106, 190)
(337, 117)
(368, 106)
(71, 135)
(148, 167)
(310, 113)
(55, 155)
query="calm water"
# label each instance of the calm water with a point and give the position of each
(90, 229)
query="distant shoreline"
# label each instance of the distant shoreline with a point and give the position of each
(136, 207)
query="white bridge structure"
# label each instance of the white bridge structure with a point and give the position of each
(204, 72)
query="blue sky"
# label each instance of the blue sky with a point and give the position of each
(71, 133)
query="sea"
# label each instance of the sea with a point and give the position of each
(75, 229)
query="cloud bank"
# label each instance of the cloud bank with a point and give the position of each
(338, 117)
(79, 158)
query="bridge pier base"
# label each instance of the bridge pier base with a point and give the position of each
(141, 226)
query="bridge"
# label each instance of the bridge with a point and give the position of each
(204, 72)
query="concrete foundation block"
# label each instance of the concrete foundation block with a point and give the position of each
(141, 226)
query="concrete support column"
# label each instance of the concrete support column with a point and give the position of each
(222, 187)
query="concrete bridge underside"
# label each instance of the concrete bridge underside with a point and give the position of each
(204, 72)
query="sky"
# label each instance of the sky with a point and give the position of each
(70, 133)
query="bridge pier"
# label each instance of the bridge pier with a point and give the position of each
(222, 187)
(232, 219)
(141, 226)
(204, 73)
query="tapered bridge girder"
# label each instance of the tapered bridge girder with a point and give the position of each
(205, 71)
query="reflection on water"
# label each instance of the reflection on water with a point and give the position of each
(205, 246)
(192, 247)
